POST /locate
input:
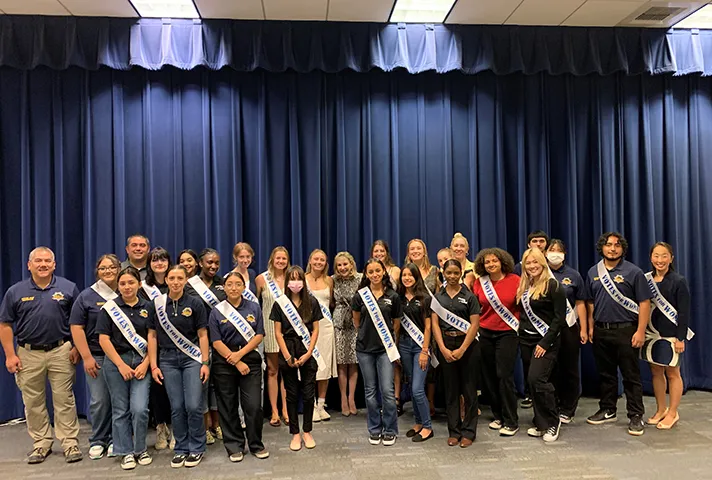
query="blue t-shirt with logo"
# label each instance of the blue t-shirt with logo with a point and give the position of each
(630, 281)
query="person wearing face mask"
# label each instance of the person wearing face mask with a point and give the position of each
(178, 335)
(496, 290)
(123, 329)
(137, 248)
(542, 304)
(573, 335)
(36, 312)
(377, 312)
(346, 280)
(380, 250)
(459, 246)
(83, 321)
(321, 285)
(270, 286)
(154, 285)
(208, 285)
(296, 316)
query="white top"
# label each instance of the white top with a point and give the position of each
(323, 296)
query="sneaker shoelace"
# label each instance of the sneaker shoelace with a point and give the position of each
(551, 431)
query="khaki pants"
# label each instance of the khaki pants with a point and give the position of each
(37, 368)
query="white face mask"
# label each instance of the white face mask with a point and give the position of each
(556, 258)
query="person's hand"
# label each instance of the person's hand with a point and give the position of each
(74, 356)
(91, 367)
(457, 354)
(638, 339)
(127, 373)
(233, 358)
(584, 336)
(539, 351)
(447, 354)
(590, 334)
(204, 373)
(423, 360)
(679, 346)
(157, 375)
(291, 362)
(13, 364)
(242, 368)
(304, 358)
(140, 371)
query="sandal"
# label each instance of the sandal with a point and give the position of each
(666, 426)
(275, 422)
(654, 420)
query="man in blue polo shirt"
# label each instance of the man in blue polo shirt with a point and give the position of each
(617, 316)
(36, 312)
(137, 248)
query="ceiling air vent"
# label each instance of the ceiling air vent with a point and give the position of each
(658, 14)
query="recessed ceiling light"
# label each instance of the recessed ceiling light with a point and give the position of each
(166, 8)
(421, 11)
(702, 18)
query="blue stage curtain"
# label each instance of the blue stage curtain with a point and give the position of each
(90, 43)
(209, 158)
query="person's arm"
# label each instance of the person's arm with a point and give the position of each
(153, 356)
(469, 281)
(259, 285)
(470, 337)
(12, 361)
(589, 321)
(282, 344)
(643, 319)
(79, 338)
(357, 319)
(204, 353)
(425, 353)
(580, 308)
(126, 372)
(437, 333)
(682, 301)
(312, 343)
(558, 298)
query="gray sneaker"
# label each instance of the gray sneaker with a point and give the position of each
(636, 426)
(73, 454)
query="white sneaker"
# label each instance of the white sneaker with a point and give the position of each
(128, 462)
(96, 452)
(495, 424)
(552, 433)
(110, 452)
(161, 436)
(209, 439)
(534, 432)
(145, 458)
(325, 417)
(316, 417)
(237, 457)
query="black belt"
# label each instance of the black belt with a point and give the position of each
(454, 333)
(614, 326)
(43, 347)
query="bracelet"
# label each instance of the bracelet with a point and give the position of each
(206, 363)
(153, 369)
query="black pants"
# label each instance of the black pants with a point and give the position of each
(292, 386)
(159, 405)
(499, 353)
(232, 390)
(526, 362)
(612, 350)
(567, 376)
(460, 378)
(540, 379)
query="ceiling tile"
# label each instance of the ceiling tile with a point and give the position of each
(602, 13)
(33, 7)
(295, 10)
(543, 12)
(482, 11)
(95, 8)
(237, 9)
(360, 10)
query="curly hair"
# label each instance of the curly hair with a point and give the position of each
(603, 239)
(504, 258)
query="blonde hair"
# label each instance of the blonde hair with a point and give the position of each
(541, 286)
(458, 236)
(326, 266)
(270, 262)
(348, 258)
(426, 260)
(240, 246)
(448, 250)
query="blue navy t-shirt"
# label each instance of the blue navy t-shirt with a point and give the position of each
(187, 314)
(675, 290)
(573, 284)
(85, 312)
(217, 288)
(37, 316)
(140, 315)
(222, 329)
(630, 281)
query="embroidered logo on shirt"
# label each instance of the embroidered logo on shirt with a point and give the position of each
(27, 299)
(143, 313)
(187, 312)
(387, 301)
(224, 320)
(567, 281)
(100, 304)
(462, 300)
(220, 287)
(619, 279)
(58, 296)
(250, 318)
(595, 279)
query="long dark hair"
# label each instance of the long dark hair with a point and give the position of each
(667, 247)
(505, 259)
(192, 253)
(389, 259)
(419, 290)
(365, 282)
(158, 253)
(305, 305)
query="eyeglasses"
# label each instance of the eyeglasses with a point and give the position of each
(112, 268)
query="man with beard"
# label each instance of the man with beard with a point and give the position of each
(137, 247)
(618, 314)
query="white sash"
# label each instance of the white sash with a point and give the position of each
(493, 299)
(237, 320)
(272, 285)
(104, 291)
(248, 295)
(380, 323)
(183, 344)
(417, 336)
(610, 287)
(298, 325)
(571, 315)
(448, 317)
(126, 327)
(538, 323)
(203, 290)
(152, 292)
(660, 302)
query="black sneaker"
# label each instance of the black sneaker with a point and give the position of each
(178, 460)
(601, 417)
(526, 403)
(389, 439)
(38, 455)
(374, 439)
(193, 460)
(635, 425)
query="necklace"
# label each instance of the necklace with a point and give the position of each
(175, 308)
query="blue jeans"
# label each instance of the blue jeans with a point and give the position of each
(129, 406)
(181, 376)
(410, 354)
(99, 406)
(377, 372)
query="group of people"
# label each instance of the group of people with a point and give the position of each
(158, 337)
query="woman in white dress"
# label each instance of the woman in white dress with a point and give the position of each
(322, 287)
(276, 268)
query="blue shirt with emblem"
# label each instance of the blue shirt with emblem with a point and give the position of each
(37, 316)
(187, 314)
(85, 312)
(573, 284)
(222, 329)
(630, 281)
(140, 315)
